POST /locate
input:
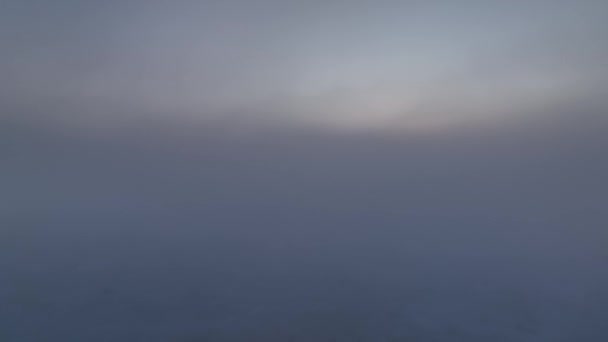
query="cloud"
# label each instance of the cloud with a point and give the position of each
(181, 171)
(239, 232)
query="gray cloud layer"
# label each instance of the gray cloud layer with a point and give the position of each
(125, 217)
(236, 233)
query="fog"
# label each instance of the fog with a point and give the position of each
(165, 231)
(271, 170)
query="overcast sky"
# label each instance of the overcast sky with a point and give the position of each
(340, 63)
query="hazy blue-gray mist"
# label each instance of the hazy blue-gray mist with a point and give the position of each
(325, 171)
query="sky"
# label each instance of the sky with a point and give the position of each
(268, 170)
(342, 64)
